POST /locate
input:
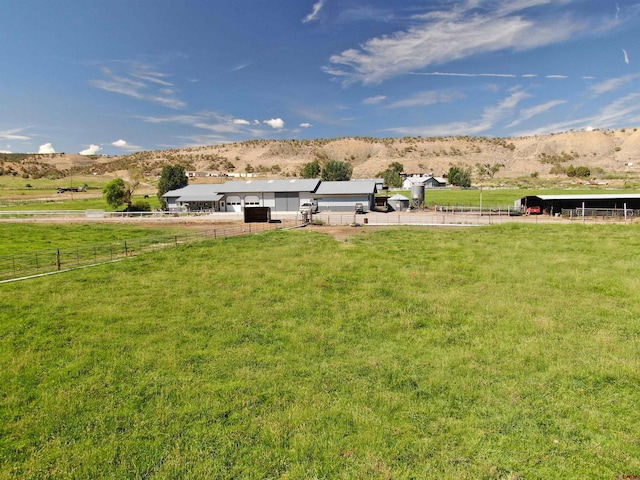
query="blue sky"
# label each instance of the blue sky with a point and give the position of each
(118, 76)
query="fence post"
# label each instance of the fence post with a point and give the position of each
(175, 240)
(58, 260)
(126, 250)
(37, 266)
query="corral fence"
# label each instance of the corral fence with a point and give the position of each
(40, 262)
(603, 213)
(420, 217)
(494, 210)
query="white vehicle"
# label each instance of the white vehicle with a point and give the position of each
(309, 207)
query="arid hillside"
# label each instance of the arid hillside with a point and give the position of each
(609, 154)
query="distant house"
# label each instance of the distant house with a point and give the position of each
(435, 182)
(429, 181)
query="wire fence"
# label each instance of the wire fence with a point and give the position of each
(40, 262)
(417, 218)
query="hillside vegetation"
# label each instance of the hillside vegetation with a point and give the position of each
(609, 154)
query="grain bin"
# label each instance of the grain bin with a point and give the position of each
(417, 195)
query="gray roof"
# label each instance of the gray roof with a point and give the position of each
(204, 191)
(209, 197)
(397, 197)
(354, 187)
(254, 186)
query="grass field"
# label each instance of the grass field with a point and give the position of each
(500, 352)
(25, 237)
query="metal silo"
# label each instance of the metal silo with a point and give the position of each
(417, 195)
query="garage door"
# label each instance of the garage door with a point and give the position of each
(287, 201)
(251, 201)
(234, 204)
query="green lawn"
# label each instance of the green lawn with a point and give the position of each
(500, 352)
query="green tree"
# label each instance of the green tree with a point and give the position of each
(172, 177)
(392, 175)
(583, 172)
(392, 178)
(117, 193)
(488, 170)
(396, 167)
(311, 169)
(459, 176)
(336, 171)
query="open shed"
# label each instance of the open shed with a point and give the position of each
(552, 204)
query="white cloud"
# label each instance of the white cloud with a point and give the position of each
(92, 150)
(374, 100)
(442, 37)
(306, 125)
(46, 148)
(276, 123)
(5, 151)
(124, 145)
(240, 121)
(314, 13)
(560, 77)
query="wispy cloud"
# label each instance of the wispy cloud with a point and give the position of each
(528, 113)
(139, 81)
(451, 74)
(623, 111)
(314, 12)
(11, 134)
(626, 56)
(440, 37)
(423, 99)
(612, 84)
(374, 100)
(306, 125)
(490, 116)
